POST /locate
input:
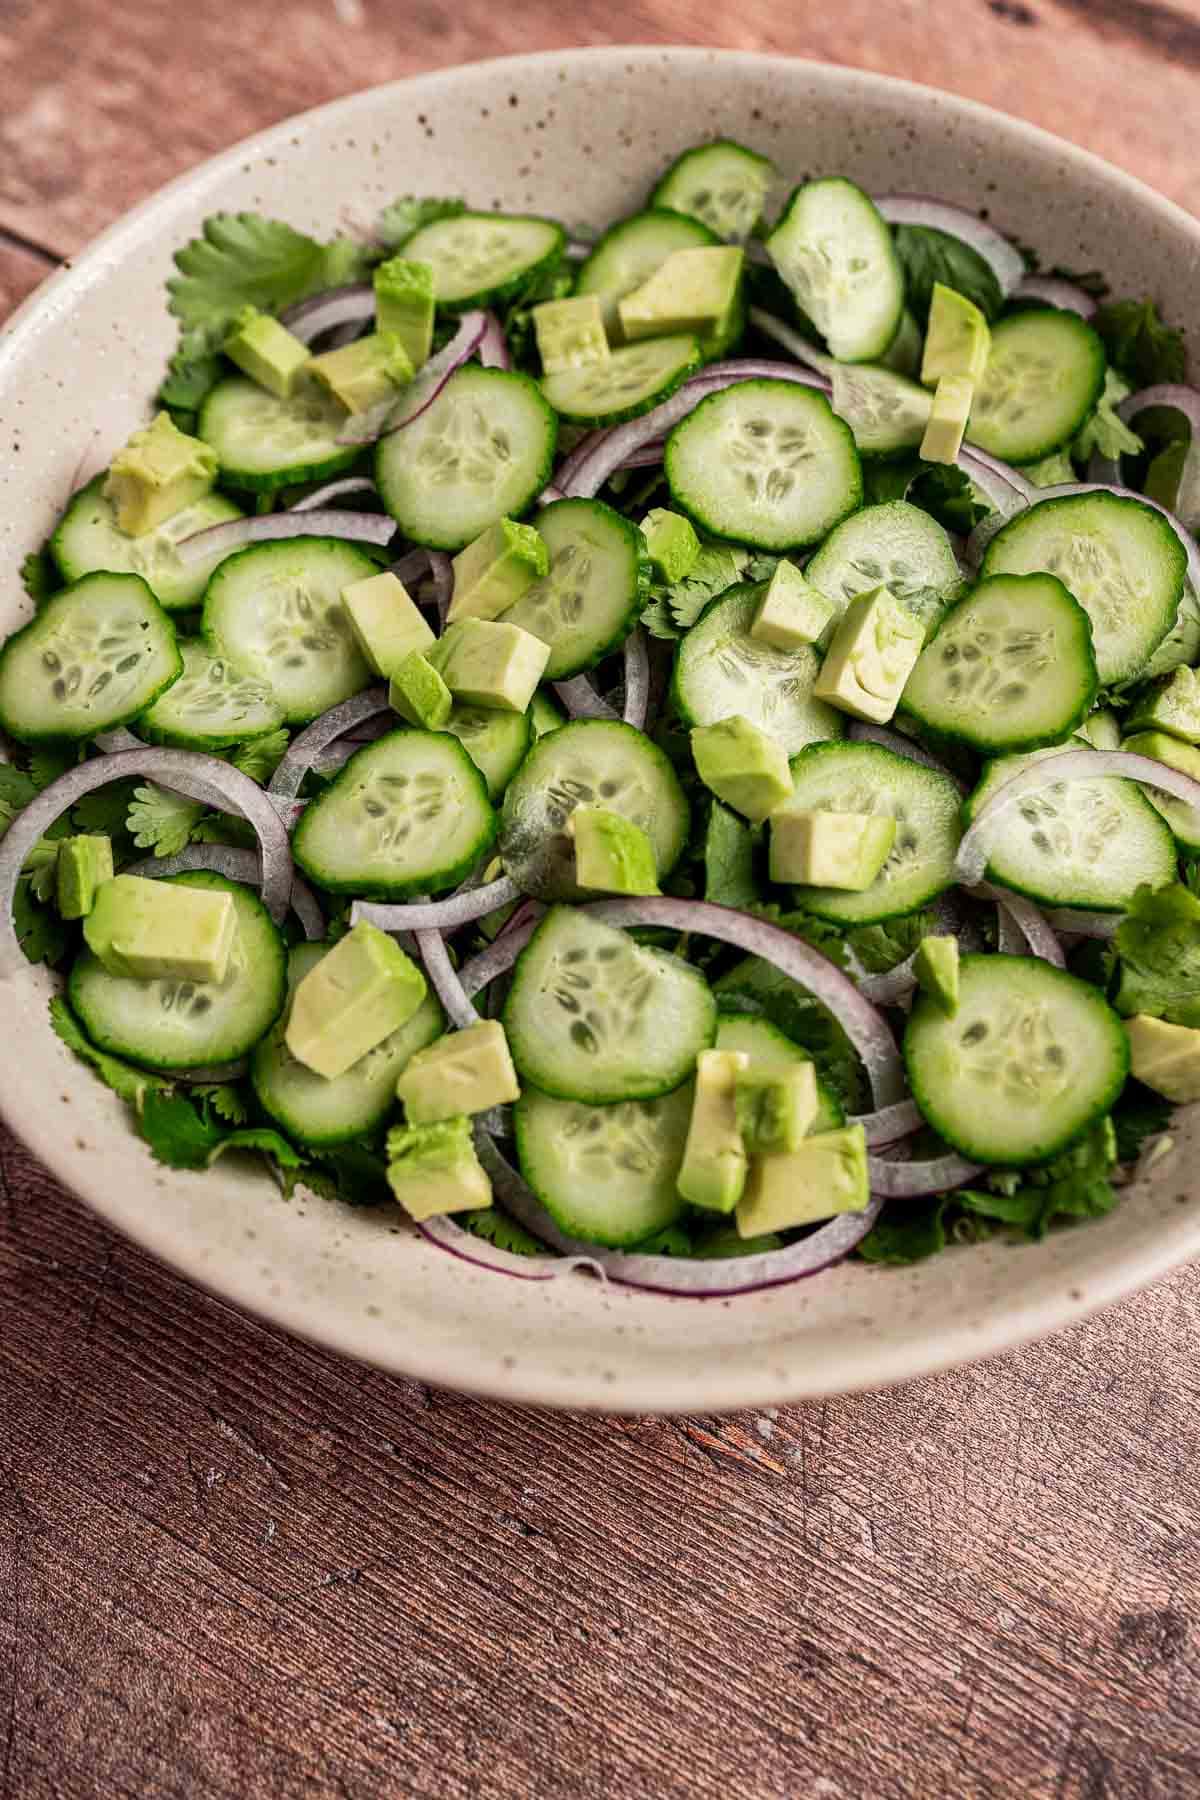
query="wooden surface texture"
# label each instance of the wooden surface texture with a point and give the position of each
(232, 1565)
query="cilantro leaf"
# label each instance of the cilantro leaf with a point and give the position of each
(675, 609)
(405, 217)
(161, 821)
(39, 576)
(496, 1227)
(16, 789)
(907, 1232)
(880, 947)
(764, 989)
(352, 1173)
(947, 494)
(1104, 430)
(1075, 1184)
(261, 1138)
(185, 1136)
(240, 259)
(1157, 946)
(260, 757)
(1139, 1115)
(193, 369)
(224, 828)
(103, 811)
(129, 1083)
(928, 256)
(729, 844)
(225, 1100)
(40, 869)
(40, 932)
(1139, 345)
(47, 764)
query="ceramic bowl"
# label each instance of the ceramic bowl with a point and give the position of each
(579, 134)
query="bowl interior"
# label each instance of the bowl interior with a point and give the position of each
(579, 135)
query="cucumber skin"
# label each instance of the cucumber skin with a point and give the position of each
(658, 203)
(516, 285)
(208, 746)
(1040, 898)
(258, 481)
(879, 349)
(637, 605)
(706, 239)
(528, 1164)
(1035, 451)
(621, 415)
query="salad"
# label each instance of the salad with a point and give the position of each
(675, 751)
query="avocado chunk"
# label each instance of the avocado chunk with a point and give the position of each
(84, 863)
(149, 929)
(671, 545)
(433, 1169)
(713, 1171)
(871, 656)
(775, 1108)
(485, 662)
(463, 1072)
(385, 620)
(829, 849)
(1165, 1057)
(365, 372)
(1102, 731)
(957, 339)
(491, 574)
(1171, 704)
(404, 305)
(159, 472)
(570, 334)
(1165, 749)
(936, 969)
(792, 612)
(358, 994)
(417, 692)
(266, 351)
(692, 291)
(827, 1175)
(953, 398)
(612, 854)
(742, 766)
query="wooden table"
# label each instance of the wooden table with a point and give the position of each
(233, 1565)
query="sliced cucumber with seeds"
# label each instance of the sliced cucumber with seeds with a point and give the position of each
(274, 610)
(635, 378)
(722, 184)
(264, 442)
(496, 742)
(766, 463)
(864, 778)
(96, 656)
(721, 671)
(894, 544)
(630, 252)
(596, 587)
(484, 259)
(173, 1024)
(87, 538)
(836, 254)
(212, 706)
(482, 451)
(770, 1050)
(1031, 1059)
(590, 762)
(1120, 559)
(605, 1173)
(1045, 373)
(409, 814)
(591, 1015)
(886, 412)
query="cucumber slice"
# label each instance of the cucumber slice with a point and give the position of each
(837, 256)
(635, 378)
(605, 1173)
(1119, 558)
(87, 538)
(496, 742)
(769, 1049)
(722, 184)
(1011, 667)
(482, 451)
(1030, 1060)
(212, 706)
(172, 1024)
(486, 259)
(590, 762)
(591, 1015)
(720, 671)
(886, 412)
(274, 611)
(894, 544)
(409, 814)
(1183, 820)
(320, 1112)
(1045, 373)
(864, 778)
(597, 585)
(545, 714)
(766, 463)
(630, 252)
(96, 656)
(264, 442)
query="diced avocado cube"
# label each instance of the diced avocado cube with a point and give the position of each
(792, 612)
(358, 994)
(671, 544)
(544, 714)
(386, 621)
(713, 1171)
(871, 656)
(694, 290)
(491, 574)
(159, 472)
(266, 351)
(776, 1108)
(936, 969)
(463, 1072)
(1165, 749)
(365, 372)
(485, 662)
(742, 766)
(147, 929)
(829, 849)
(1171, 704)
(957, 338)
(570, 334)
(417, 692)
(827, 1175)
(612, 854)
(953, 398)
(83, 864)
(1103, 730)
(1165, 1057)
(404, 305)
(433, 1169)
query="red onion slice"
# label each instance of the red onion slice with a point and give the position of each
(581, 699)
(221, 540)
(1082, 923)
(891, 1124)
(802, 348)
(493, 347)
(1033, 931)
(410, 567)
(438, 915)
(442, 570)
(335, 490)
(650, 456)
(235, 865)
(299, 756)
(1007, 263)
(393, 415)
(1053, 290)
(579, 455)
(637, 679)
(908, 1180)
(120, 739)
(350, 305)
(468, 1248)
(444, 978)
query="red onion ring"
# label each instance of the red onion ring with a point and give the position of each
(650, 456)
(350, 305)
(299, 756)
(1082, 923)
(802, 348)
(581, 699)
(1033, 931)
(493, 348)
(442, 1231)
(442, 570)
(1053, 290)
(235, 865)
(379, 421)
(438, 915)
(907, 1180)
(1007, 263)
(221, 540)
(637, 679)
(579, 455)
(335, 490)
(891, 1124)
(410, 567)
(444, 978)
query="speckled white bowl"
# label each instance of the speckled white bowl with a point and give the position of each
(579, 134)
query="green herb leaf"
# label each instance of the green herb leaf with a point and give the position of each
(519, 330)
(39, 576)
(40, 932)
(1139, 1115)
(405, 216)
(263, 1139)
(927, 256)
(260, 757)
(729, 845)
(130, 1083)
(353, 1174)
(1104, 431)
(880, 947)
(16, 788)
(1157, 946)
(1139, 345)
(40, 869)
(177, 1133)
(224, 828)
(241, 259)
(495, 1227)
(46, 765)
(907, 1231)
(225, 1101)
(675, 609)
(162, 821)
(103, 811)
(948, 495)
